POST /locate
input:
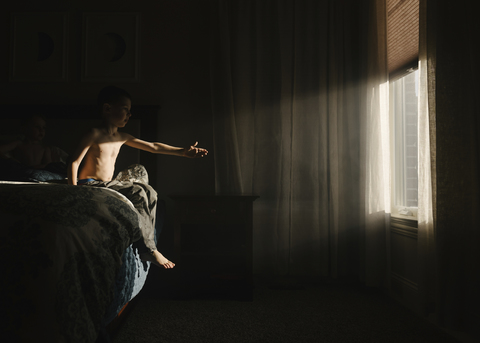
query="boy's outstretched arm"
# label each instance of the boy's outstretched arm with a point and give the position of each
(160, 148)
(78, 156)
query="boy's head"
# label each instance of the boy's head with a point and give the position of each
(111, 95)
(34, 127)
(114, 105)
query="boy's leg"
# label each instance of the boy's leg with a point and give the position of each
(144, 198)
(134, 173)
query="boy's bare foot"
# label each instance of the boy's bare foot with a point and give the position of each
(158, 259)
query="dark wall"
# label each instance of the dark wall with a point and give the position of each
(174, 74)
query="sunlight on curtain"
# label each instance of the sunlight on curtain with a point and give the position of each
(299, 111)
(378, 191)
(426, 115)
(426, 228)
(376, 147)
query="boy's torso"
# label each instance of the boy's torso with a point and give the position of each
(99, 161)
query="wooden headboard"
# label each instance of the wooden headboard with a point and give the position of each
(66, 124)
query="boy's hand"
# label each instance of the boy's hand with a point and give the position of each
(193, 152)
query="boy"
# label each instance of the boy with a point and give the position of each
(99, 150)
(31, 151)
(28, 158)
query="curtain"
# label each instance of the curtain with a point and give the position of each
(426, 163)
(375, 148)
(456, 161)
(449, 202)
(299, 108)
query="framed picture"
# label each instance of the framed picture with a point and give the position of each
(111, 47)
(39, 47)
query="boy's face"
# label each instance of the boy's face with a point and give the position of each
(118, 113)
(35, 129)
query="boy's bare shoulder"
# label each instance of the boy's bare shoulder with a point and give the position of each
(125, 136)
(92, 134)
(95, 131)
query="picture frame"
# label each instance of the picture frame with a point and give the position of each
(38, 47)
(111, 47)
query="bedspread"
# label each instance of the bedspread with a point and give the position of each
(61, 247)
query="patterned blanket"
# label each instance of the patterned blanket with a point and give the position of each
(61, 248)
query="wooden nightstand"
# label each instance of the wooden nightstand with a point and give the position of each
(213, 244)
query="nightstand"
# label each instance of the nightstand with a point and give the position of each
(213, 244)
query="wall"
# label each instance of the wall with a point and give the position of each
(403, 261)
(174, 73)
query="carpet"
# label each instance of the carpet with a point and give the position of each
(282, 311)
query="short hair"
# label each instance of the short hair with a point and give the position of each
(28, 119)
(110, 95)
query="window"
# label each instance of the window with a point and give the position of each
(404, 118)
(402, 52)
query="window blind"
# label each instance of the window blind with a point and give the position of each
(402, 36)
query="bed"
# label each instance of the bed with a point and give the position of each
(69, 261)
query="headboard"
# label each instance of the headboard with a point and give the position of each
(66, 124)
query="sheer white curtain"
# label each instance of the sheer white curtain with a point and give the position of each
(426, 174)
(376, 146)
(298, 89)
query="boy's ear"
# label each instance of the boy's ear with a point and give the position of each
(106, 107)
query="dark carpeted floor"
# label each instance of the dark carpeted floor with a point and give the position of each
(282, 311)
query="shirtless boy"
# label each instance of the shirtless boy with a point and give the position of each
(100, 147)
